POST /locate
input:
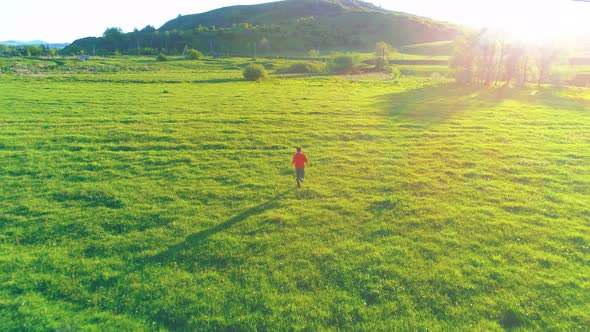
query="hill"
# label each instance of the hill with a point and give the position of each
(22, 43)
(276, 28)
(32, 43)
(269, 13)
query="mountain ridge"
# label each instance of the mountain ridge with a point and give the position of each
(286, 10)
(280, 27)
(32, 43)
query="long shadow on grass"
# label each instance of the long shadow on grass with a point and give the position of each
(195, 240)
(435, 104)
(549, 97)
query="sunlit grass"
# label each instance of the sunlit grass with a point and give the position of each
(165, 199)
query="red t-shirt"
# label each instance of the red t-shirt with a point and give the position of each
(299, 159)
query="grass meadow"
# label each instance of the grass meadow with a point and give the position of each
(149, 196)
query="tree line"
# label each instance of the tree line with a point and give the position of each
(27, 50)
(488, 59)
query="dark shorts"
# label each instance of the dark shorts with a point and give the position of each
(300, 173)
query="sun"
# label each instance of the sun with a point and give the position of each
(538, 22)
(549, 22)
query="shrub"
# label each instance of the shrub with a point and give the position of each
(344, 64)
(302, 68)
(194, 55)
(161, 57)
(255, 72)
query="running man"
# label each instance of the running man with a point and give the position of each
(299, 159)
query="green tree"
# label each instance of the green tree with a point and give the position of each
(112, 33)
(113, 38)
(490, 52)
(264, 44)
(166, 39)
(485, 58)
(4, 50)
(513, 65)
(462, 61)
(545, 58)
(34, 50)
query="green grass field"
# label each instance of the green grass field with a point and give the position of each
(160, 196)
(435, 48)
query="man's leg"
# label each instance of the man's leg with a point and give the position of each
(299, 173)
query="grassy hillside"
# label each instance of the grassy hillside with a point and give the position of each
(160, 196)
(269, 13)
(283, 27)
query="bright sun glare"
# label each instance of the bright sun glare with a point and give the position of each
(538, 22)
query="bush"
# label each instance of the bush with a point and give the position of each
(194, 55)
(302, 68)
(255, 72)
(344, 64)
(161, 57)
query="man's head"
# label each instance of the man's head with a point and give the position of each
(298, 149)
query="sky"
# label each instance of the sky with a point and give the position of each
(63, 21)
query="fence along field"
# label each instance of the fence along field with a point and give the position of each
(160, 196)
